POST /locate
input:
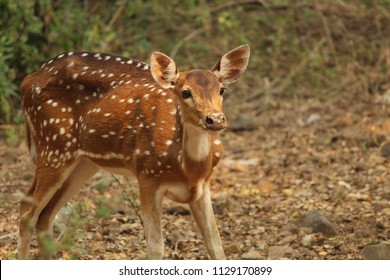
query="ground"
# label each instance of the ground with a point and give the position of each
(304, 155)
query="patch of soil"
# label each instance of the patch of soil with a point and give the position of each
(305, 156)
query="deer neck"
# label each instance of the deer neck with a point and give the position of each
(196, 158)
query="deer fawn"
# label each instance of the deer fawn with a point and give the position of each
(89, 111)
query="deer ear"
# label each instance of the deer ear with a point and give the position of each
(232, 64)
(163, 70)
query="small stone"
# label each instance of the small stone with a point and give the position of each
(178, 210)
(358, 196)
(243, 122)
(261, 245)
(98, 236)
(344, 120)
(307, 240)
(224, 203)
(249, 161)
(302, 231)
(279, 252)
(376, 252)
(385, 98)
(386, 126)
(240, 165)
(374, 159)
(127, 228)
(173, 238)
(62, 219)
(267, 187)
(386, 211)
(319, 223)
(258, 230)
(287, 240)
(362, 231)
(287, 192)
(252, 256)
(385, 149)
(232, 249)
(313, 118)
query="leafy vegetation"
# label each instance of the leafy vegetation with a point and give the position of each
(299, 48)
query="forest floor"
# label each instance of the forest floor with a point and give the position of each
(305, 155)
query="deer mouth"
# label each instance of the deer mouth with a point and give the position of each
(215, 126)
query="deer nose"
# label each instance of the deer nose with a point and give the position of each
(215, 121)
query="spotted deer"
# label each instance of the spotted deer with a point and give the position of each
(89, 111)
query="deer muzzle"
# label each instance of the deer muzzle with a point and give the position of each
(215, 121)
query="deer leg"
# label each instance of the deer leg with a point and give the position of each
(203, 213)
(46, 182)
(44, 228)
(151, 205)
(25, 204)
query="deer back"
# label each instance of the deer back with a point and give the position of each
(105, 107)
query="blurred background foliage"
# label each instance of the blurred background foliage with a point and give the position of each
(300, 49)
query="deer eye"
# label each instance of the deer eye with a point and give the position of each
(222, 91)
(186, 94)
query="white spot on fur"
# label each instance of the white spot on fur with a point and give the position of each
(174, 111)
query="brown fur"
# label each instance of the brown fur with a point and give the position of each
(91, 111)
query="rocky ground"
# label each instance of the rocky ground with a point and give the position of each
(311, 181)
